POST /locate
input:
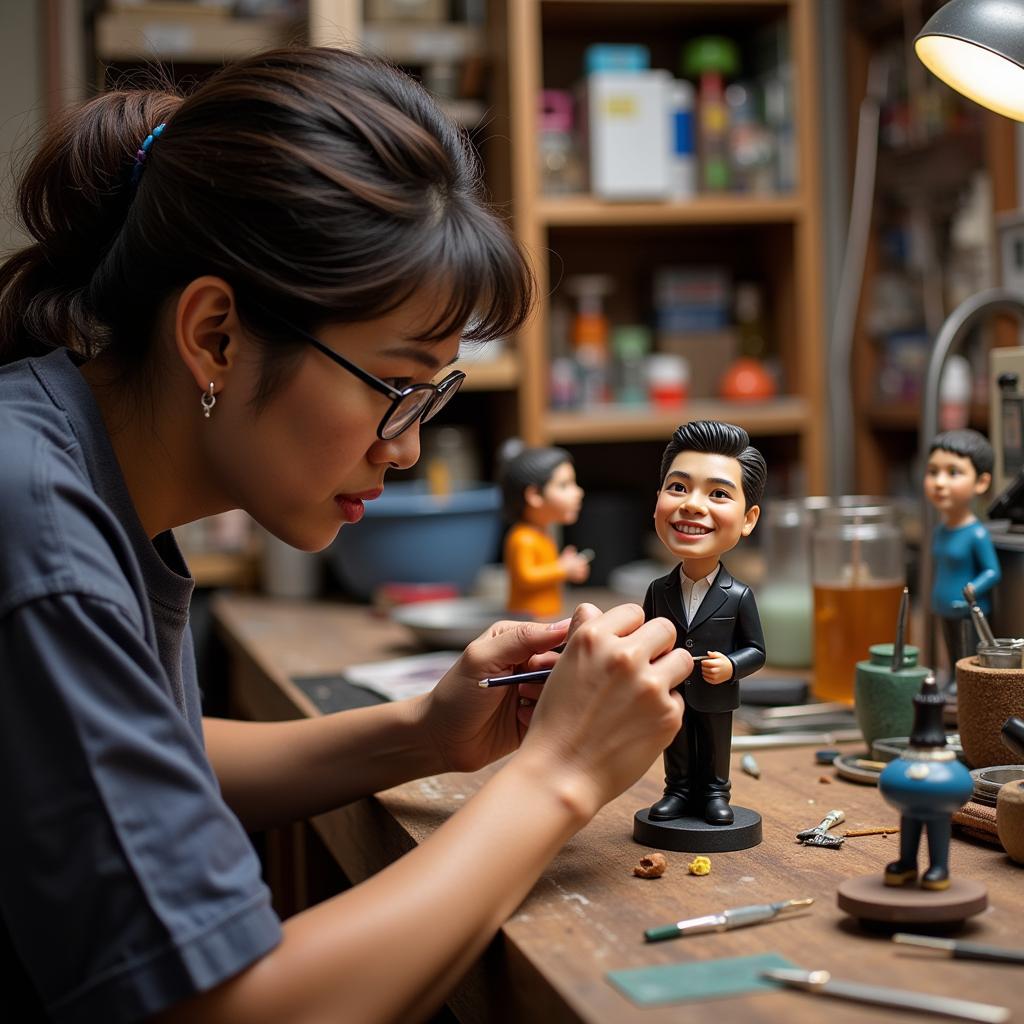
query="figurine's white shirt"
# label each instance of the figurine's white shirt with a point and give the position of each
(694, 591)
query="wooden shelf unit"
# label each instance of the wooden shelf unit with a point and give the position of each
(799, 281)
(885, 432)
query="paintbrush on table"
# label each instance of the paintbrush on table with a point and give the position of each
(985, 633)
(901, 631)
(959, 950)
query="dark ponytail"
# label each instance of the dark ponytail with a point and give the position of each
(72, 201)
(321, 184)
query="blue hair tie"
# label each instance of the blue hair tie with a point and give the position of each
(140, 156)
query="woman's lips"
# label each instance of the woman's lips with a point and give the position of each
(351, 505)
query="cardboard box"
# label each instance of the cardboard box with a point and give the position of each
(627, 128)
(709, 354)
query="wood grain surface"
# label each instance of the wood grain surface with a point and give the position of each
(587, 914)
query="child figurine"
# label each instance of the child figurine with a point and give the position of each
(711, 483)
(959, 468)
(926, 784)
(540, 491)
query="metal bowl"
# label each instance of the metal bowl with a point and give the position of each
(450, 625)
(988, 781)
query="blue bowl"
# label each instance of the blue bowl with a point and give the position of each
(409, 535)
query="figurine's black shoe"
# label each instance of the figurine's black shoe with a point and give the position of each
(717, 811)
(936, 878)
(898, 873)
(668, 808)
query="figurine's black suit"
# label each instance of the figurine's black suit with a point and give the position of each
(697, 760)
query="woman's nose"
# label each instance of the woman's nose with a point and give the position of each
(400, 452)
(693, 501)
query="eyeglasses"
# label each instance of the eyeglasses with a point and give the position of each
(418, 402)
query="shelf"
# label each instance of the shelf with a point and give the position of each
(192, 38)
(487, 374)
(423, 43)
(906, 416)
(586, 211)
(778, 417)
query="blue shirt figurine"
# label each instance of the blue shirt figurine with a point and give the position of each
(959, 469)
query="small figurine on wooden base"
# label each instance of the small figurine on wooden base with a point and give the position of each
(926, 784)
(711, 483)
(540, 491)
(959, 469)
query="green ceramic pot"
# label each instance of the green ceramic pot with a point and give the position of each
(884, 699)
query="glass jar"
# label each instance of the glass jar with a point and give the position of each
(859, 573)
(785, 600)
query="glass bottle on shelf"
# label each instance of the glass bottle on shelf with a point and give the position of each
(560, 165)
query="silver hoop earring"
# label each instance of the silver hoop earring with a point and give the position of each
(208, 400)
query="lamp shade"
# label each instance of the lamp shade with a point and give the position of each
(977, 48)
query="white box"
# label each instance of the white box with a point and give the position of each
(628, 128)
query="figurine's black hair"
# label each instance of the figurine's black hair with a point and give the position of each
(714, 438)
(968, 444)
(527, 467)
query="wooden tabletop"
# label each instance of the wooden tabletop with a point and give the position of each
(587, 914)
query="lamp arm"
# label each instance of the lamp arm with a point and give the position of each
(957, 325)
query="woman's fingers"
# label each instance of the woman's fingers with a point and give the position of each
(507, 644)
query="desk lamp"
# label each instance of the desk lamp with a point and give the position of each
(977, 48)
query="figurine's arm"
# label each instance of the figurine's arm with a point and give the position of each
(985, 554)
(525, 564)
(748, 655)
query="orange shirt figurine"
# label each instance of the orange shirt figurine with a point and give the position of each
(540, 491)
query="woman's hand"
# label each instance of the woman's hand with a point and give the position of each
(610, 705)
(471, 726)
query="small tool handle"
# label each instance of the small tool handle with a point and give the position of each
(742, 916)
(980, 951)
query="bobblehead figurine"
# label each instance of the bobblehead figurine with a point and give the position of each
(539, 491)
(711, 483)
(959, 469)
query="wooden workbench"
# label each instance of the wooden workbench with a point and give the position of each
(587, 913)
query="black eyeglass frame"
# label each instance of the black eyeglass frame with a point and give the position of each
(442, 392)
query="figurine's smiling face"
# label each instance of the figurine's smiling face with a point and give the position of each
(701, 511)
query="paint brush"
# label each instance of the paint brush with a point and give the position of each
(538, 676)
(901, 630)
(980, 622)
(959, 950)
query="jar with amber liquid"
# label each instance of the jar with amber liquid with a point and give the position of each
(859, 572)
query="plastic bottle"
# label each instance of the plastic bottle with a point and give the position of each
(955, 394)
(668, 379)
(590, 336)
(630, 344)
(683, 161)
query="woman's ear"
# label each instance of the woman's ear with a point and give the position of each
(207, 330)
(981, 485)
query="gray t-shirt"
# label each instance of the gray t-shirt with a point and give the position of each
(126, 883)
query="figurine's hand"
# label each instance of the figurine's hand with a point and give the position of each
(717, 668)
(575, 566)
(609, 707)
(471, 726)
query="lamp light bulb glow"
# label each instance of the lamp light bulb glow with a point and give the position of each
(980, 74)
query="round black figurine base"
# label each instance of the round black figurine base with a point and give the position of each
(694, 835)
(870, 899)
